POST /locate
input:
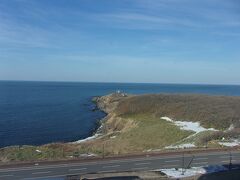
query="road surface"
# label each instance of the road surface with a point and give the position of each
(120, 165)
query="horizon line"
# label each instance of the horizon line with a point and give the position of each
(115, 82)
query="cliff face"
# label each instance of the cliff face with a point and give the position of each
(109, 102)
(111, 123)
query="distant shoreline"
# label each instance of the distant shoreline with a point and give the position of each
(150, 83)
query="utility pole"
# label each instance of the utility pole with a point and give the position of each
(183, 163)
(230, 160)
(103, 150)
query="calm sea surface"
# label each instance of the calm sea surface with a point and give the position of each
(43, 112)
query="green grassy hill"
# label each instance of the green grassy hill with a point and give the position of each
(211, 111)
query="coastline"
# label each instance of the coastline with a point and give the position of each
(95, 135)
(145, 123)
(98, 132)
(74, 111)
(103, 104)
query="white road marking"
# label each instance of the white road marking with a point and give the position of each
(228, 161)
(53, 176)
(113, 166)
(203, 158)
(45, 172)
(107, 171)
(79, 169)
(176, 160)
(112, 161)
(197, 163)
(140, 164)
(225, 157)
(170, 166)
(228, 157)
(8, 175)
(140, 168)
(89, 163)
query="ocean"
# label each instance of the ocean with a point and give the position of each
(35, 113)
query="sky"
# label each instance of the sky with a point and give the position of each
(151, 41)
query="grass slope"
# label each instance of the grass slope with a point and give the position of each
(149, 133)
(211, 111)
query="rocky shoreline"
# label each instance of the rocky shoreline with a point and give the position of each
(107, 104)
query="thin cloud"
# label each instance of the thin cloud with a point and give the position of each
(22, 35)
(142, 21)
(172, 14)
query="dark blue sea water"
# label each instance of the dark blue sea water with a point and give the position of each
(42, 112)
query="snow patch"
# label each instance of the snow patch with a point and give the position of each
(87, 139)
(231, 127)
(177, 173)
(188, 126)
(167, 119)
(95, 136)
(181, 146)
(185, 125)
(232, 143)
(88, 155)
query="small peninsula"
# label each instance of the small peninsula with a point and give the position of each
(153, 122)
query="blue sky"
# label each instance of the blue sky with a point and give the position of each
(160, 41)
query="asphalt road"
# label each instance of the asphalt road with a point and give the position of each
(118, 165)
